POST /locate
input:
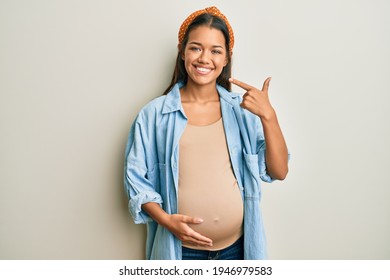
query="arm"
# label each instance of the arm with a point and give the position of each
(276, 155)
(257, 102)
(138, 187)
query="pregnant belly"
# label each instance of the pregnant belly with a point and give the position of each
(222, 215)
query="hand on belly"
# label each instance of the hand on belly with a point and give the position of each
(221, 229)
(180, 226)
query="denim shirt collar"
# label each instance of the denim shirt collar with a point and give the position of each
(173, 100)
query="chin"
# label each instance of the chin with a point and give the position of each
(202, 81)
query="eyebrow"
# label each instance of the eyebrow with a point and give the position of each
(199, 44)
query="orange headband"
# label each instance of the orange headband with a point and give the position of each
(213, 11)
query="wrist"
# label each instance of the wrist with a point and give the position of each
(164, 220)
(268, 116)
(155, 211)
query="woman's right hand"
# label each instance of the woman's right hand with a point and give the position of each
(179, 225)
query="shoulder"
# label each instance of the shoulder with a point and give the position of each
(151, 109)
(155, 104)
(164, 104)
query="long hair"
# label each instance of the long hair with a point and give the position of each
(180, 73)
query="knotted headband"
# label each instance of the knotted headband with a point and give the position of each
(210, 10)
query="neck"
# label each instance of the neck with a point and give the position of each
(200, 93)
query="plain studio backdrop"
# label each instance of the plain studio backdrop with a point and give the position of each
(73, 75)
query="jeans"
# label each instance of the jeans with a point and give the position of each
(233, 252)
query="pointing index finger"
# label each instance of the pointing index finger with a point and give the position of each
(240, 84)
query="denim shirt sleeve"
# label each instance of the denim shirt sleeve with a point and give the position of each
(264, 176)
(139, 174)
(261, 148)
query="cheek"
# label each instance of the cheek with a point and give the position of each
(188, 58)
(222, 62)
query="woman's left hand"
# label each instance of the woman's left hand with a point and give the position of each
(254, 100)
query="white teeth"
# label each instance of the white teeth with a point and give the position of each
(203, 70)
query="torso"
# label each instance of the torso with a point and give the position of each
(207, 186)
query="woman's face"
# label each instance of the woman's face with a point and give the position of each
(205, 55)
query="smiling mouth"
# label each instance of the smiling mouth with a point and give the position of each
(203, 70)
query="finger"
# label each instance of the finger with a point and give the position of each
(249, 96)
(195, 242)
(240, 84)
(245, 105)
(196, 235)
(202, 239)
(191, 220)
(266, 84)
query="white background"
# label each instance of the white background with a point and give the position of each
(73, 74)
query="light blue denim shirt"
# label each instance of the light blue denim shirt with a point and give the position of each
(151, 168)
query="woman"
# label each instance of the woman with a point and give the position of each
(195, 155)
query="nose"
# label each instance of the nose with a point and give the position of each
(204, 57)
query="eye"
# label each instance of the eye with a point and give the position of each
(216, 52)
(195, 49)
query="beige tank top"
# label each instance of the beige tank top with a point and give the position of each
(207, 186)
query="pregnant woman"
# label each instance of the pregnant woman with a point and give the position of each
(196, 154)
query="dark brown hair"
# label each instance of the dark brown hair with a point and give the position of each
(180, 73)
